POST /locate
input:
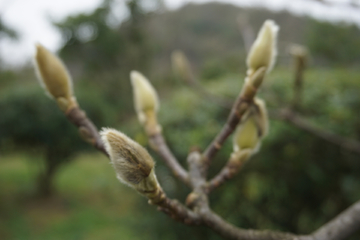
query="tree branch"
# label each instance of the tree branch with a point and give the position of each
(291, 117)
(342, 226)
(158, 144)
(239, 108)
(173, 208)
(232, 167)
(87, 129)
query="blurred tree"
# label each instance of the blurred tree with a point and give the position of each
(90, 41)
(6, 31)
(29, 121)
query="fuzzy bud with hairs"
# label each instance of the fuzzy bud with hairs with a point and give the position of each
(263, 51)
(146, 101)
(132, 163)
(54, 77)
(252, 128)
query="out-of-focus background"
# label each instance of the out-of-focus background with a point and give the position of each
(55, 186)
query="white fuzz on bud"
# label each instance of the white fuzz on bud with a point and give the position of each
(263, 52)
(145, 97)
(132, 163)
(252, 128)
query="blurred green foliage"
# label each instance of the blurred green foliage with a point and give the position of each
(334, 43)
(295, 183)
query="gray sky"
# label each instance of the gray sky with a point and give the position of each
(31, 18)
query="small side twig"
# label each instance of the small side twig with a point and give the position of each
(87, 129)
(174, 208)
(158, 144)
(231, 168)
(293, 118)
(300, 55)
(239, 108)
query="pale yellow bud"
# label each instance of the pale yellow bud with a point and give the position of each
(145, 97)
(252, 128)
(180, 64)
(298, 50)
(261, 117)
(263, 51)
(246, 135)
(52, 74)
(240, 156)
(132, 163)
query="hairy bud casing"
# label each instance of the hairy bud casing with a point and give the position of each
(252, 128)
(132, 163)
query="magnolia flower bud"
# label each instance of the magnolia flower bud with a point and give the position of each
(297, 50)
(246, 135)
(263, 51)
(262, 118)
(52, 74)
(133, 164)
(180, 64)
(145, 97)
(252, 129)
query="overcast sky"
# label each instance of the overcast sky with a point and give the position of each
(32, 18)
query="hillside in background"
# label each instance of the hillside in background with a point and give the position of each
(210, 33)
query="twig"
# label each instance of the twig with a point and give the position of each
(158, 144)
(298, 83)
(174, 208)
(87, 129)
(291, 117)
(241, 105)
(342, 226)
(231, 168)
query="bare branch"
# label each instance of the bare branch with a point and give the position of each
(87, 129)
(229, 231)
(231, 168)
(174, 208)
(342, 226)
(291, 117)
(158, 144)
(299, 54)
(240, 106)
